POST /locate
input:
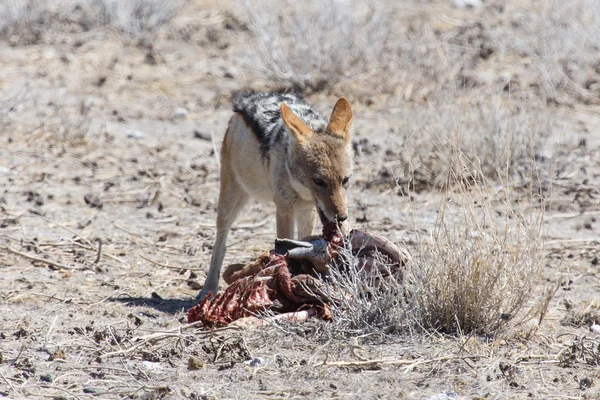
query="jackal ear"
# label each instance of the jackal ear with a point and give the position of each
(299, 129)
(341, 120)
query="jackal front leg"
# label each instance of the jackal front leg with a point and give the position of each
(231, 200)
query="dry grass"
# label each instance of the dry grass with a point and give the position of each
(479, 140)
(561, 41)
(472, 276)
(317, 45)
(135, 18)
(476, 273)
(33, 21)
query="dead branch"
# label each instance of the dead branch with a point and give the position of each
(172, 266)
(410, 364)
(38, 259)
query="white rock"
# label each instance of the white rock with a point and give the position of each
(4, 170)
(151, 366)
(467, 3)
(595, 328)
(135, 134)
(255, 362)
(180, 112)
(444, 396)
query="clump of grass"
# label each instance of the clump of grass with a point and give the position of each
(135, 18)
(367, 301)
(475, 273)
(475, 276)
(316, 45)
(29, 22)
(481, 140)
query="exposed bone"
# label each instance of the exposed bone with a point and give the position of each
(282, 246)
(316, 251)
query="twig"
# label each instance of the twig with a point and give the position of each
(61, 389)
(50, 330)
(410, 364)
(133, 234)
(11, 386)
(99, 241)
(70, 231)
(171, 266)
(38, 259)
(158, 336)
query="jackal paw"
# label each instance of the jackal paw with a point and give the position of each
(207, 291)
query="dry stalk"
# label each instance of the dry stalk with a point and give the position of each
(410, 364)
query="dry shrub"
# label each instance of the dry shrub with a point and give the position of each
(484, 139)
(415, 53)
(476, 272)
(367, 302)
(32, 21)
(562, 38)
(473, 275)
(357, 47)
(315, 44)
(135, 18)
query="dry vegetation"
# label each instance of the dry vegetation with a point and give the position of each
(476, 149)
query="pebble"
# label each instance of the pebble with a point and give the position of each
(4, 170)
(180, 112)
(202, 135)
(195, 364)
(444, 396)
(467, 3)
(134, 134)
(255, 362)
(151, 366)
(595, 328)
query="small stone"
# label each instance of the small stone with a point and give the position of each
(595, 329)
(151, 366)
(93, 201)
(202, 135)
(93, 390)
(255, 362)
(58, 354)
(195, 364)
(180, 112)
(585, 383)
(467, 3)
(4, 170)
(134, 134)
(444, 396)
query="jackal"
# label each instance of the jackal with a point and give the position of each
(277, 148)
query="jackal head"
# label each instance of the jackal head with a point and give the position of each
(321, 162)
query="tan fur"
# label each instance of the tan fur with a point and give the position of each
(285, 178)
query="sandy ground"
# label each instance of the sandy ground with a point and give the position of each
(102, 139)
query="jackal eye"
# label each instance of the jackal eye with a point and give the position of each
(346, 181)
(319, 182)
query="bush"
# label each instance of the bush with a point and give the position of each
(31, 21)
(474, 275)
(317, 44)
